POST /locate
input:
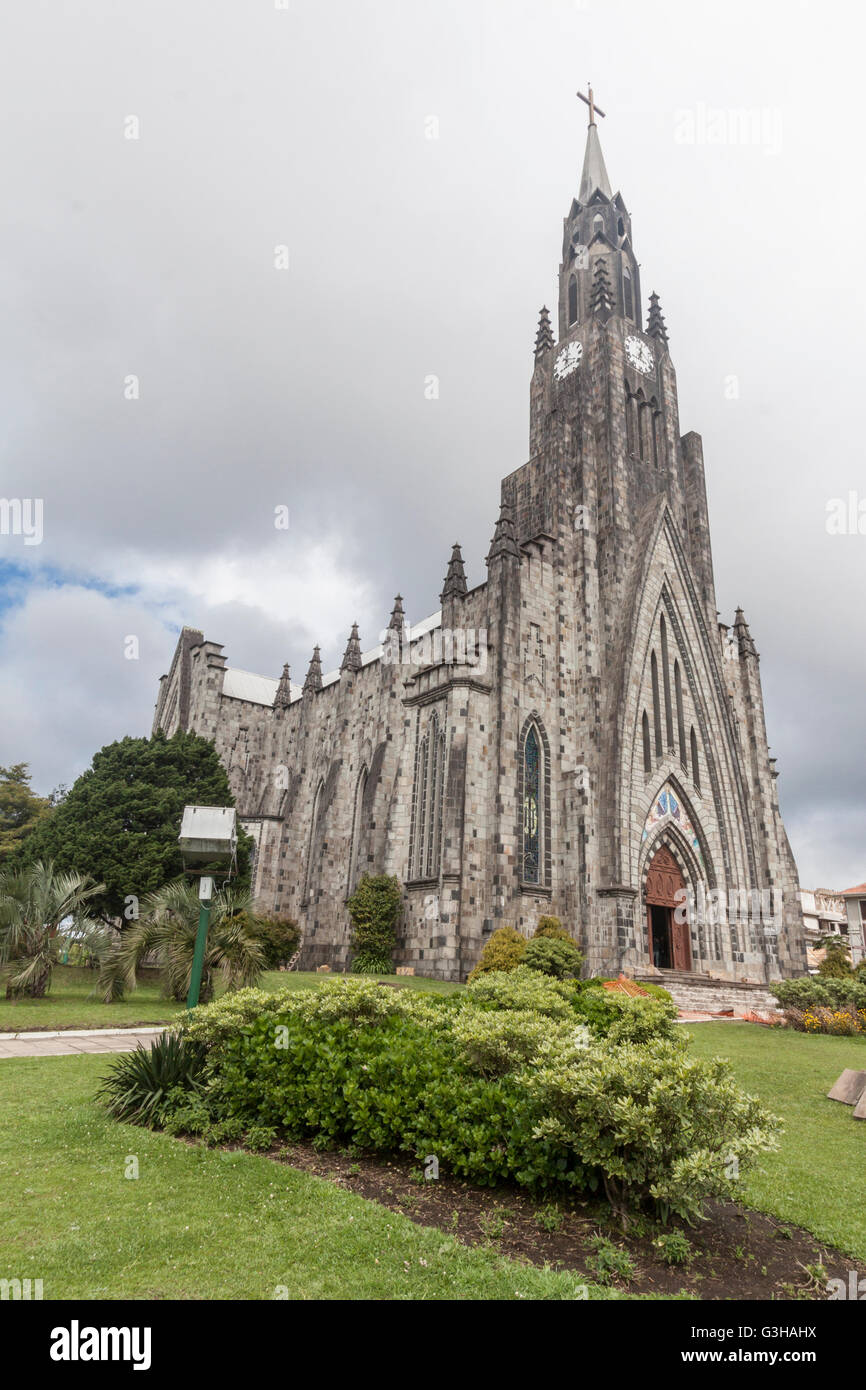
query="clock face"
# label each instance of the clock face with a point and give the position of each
(639, 355)
(567, 361)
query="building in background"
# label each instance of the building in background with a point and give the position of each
(823, 915)
(855, 906)
(577, 735)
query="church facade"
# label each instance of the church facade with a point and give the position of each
(579, 735)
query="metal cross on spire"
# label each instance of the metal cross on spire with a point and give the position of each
(593, 109)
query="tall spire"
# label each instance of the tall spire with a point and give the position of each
(594, 174)
(352, 655)
(455, 579)
(314, 674)
(283, 697)
(544, 336)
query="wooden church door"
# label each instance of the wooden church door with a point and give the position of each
(669, 942)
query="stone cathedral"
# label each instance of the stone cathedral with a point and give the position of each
(579, 735)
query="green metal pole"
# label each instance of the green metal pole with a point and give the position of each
(198, 955)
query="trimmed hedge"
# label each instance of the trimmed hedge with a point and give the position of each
(820, 992)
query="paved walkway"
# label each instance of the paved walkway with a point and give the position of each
(71, 1040)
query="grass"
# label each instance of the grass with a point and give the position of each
(818, 1178)
(71, 1002)
(200, 1223)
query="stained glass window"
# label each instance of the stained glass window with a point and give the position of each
(531, 807)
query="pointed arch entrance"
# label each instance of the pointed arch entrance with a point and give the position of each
(669, 944)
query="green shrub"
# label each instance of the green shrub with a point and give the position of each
(503, 951)
(674, 1248)
(522, 989)
(622, 1018)
(279, 938)
(260, 1138)
(142, 1086)
(553, 956)
(835, 965)
(658, 1125)
(496, 1042)
(820, 992)
(609, 1261)
(374, 908)
(552, 928)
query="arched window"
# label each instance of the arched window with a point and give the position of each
(425, 850)
(696, 771)
(313, 844)
(434, 815)
(647, 751)
(597, 224)
(644, 429)
(421, 769)
(572, 299)
(357, 830)
(681, 726)
(620, 229)
(627, 293)
(657, 716)
(533, 810)
(630, 422)
(656, 431)
(666, 683)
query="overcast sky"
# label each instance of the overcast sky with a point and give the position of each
(735, 134)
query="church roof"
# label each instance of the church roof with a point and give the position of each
(594, 174)
(260, 690)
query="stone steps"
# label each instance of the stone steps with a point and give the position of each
(698, 993)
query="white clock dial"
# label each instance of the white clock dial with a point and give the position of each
(567, 361)
(639, 355)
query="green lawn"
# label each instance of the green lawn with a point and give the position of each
(70, 1003)
(818, 1178)
(204, 1224)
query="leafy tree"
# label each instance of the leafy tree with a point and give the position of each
(836, 964)
(551, 927)
(279, 938)
(553, 955)
(21, 810)
(42, 911)
(374, 908)
(504, 951)
(120, 820)
(167, 930)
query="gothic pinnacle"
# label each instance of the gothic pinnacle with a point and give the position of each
(656, 321)
(504, 541)
(745, 641)
(352, 655)
(455, 579)
(283, 697)
(314, 674)
(544, 336)
(398, 617)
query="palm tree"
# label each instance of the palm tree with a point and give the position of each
(167, 930)
(41, 912)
